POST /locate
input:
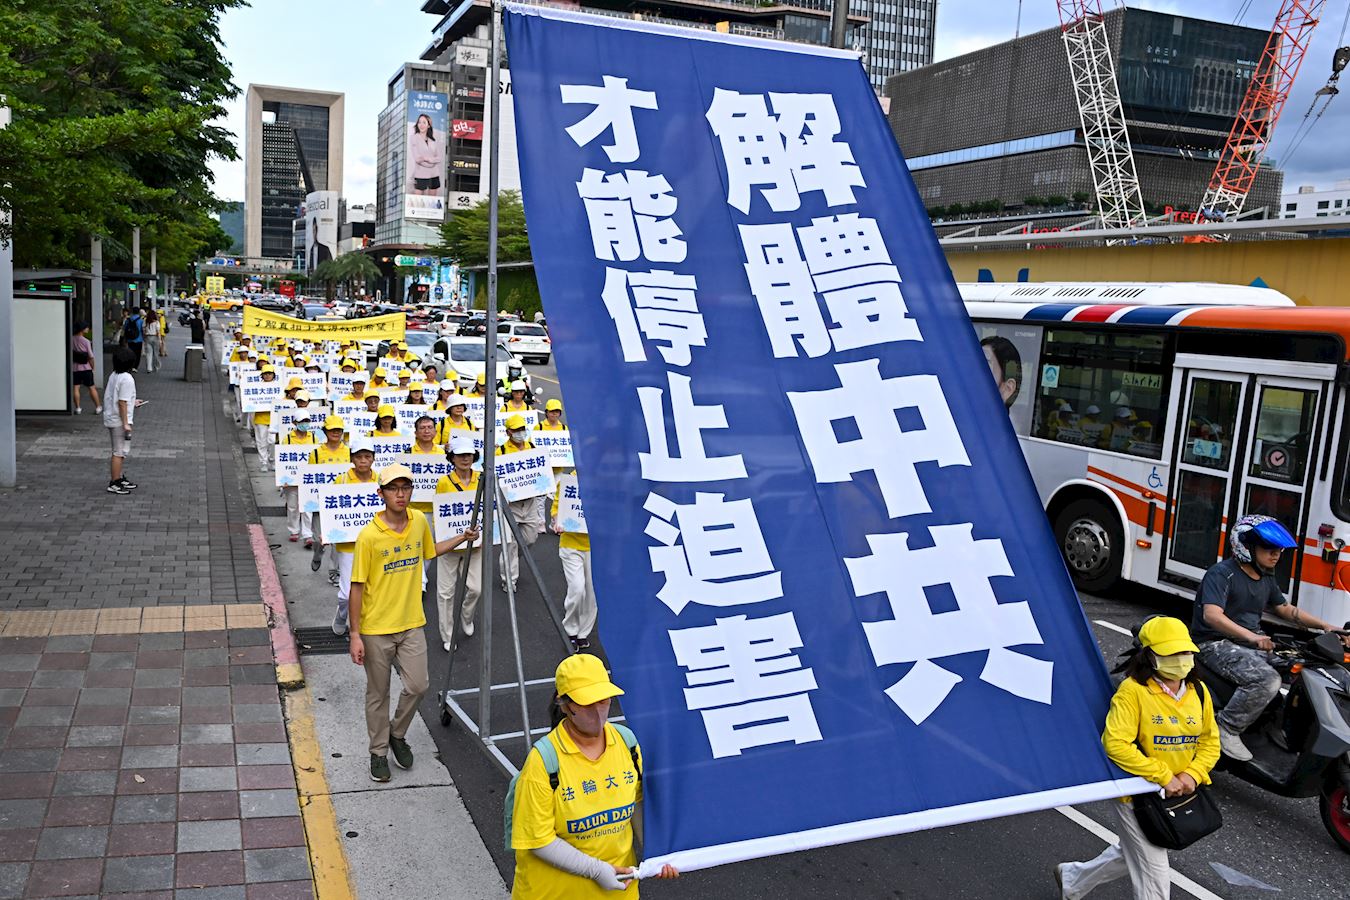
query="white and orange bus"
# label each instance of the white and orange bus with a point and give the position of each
(1153, 415)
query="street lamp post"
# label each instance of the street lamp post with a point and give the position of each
(8, 435)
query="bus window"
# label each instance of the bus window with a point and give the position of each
(1210, 429)
(1109, 390)
(1284, 427)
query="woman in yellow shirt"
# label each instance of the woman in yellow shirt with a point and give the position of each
(1161, 727)
(552, 417)
(381, 379)
(363, 462)
(574, 552)
(296, 522)
(516, 402)
(358, 394)
(461, 480)
(262, 425)
(415, 393)
(578, 862)
(332, 451)
(386, 422)
(455, 420)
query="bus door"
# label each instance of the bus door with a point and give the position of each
(1245, 443)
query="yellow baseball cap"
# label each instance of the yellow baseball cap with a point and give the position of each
(294, 383)
(269, 368)
(1165, 636)
(553, 404)
(417, 386)
(393, 473)
(482, 378)
(581, 677)
(516, 421)
(381, 372)
(385, 409)
(332, 422)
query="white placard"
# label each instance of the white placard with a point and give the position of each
(392, 394)
(344, 509)
(309, 477)
(315, 384)
(286, 412)
(473, 409)
(427, 469)
(408, 414)
(524, 474)
(256, 395)
(227, 350)
(340, 384)
(360, 423)
(454, 513)
(530, 416)
(558, 446)
(289, 458)
(570, 514)
(348, 408)
(388, 449)
(236, 371)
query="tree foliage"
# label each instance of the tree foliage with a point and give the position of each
(464, 236)
(348, 270)
(112, 104)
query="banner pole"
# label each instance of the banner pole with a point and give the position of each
(490, 379)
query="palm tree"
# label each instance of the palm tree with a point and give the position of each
(346, 270)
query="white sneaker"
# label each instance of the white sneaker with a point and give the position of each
(445, 645)
(78, 410)
(466, 629)
(1230, 744)
(98, 410)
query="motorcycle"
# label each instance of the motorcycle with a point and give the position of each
(184, 317)
(1301, 743)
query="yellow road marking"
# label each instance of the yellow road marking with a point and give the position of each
(327, 859)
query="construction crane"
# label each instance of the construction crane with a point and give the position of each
(1260, 110)
(1119, 201)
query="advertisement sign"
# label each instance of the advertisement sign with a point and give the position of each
(465, 165)
(468, 92)
(321, 228)
(428, 136)
(824, 628)
(1012, 351)
(467, 129)
(476, 57)
(215, 285)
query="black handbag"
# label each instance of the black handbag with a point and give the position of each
(1174, 823)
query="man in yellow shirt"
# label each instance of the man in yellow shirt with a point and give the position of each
(574, 552)
(572, 841)
(381, 379)
(387, 618)
(461, 480)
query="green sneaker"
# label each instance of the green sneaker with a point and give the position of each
(379, 768)
(402, 752)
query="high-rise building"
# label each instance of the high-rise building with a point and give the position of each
(292, 147)
(997, 132)
(897, 37)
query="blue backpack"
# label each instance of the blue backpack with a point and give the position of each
(549, 755)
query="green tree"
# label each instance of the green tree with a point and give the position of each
(464, 235)
(347, 270)
(113, 103)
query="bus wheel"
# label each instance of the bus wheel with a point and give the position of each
(1090, 538)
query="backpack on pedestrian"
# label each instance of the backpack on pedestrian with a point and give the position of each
(131, 330)
(549, 755)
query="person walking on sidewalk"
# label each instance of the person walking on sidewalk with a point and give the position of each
(153, 345)
(333, 451)
(82, 367)
(461, 480)
(362, 456)
(528, 513)
(574, 552)
(387, 617)
(119, 413)
(133, 335)
(297, 522)
(262, 425)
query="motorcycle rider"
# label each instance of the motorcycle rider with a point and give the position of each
(1226, 624)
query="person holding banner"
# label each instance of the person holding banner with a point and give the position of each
(404, 379)
(1160, 726)
(333, 450)
(479, 388)
(574, 552)
(585, 857)
(444, 391)
(297, 523)
(387, 617)
(262, 425)
(386, 422)
(372, 402)
(462, 479)
(528, 513)
(358, 394)
(424, 443)
(362, 456)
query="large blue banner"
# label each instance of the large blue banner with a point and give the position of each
(825, 580)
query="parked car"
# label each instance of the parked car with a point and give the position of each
(526, 340)
(474, 326)
(465, 356)
(447, 324)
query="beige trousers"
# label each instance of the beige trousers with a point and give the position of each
(406, 651)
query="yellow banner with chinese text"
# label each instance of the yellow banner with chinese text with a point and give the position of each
(260, 323)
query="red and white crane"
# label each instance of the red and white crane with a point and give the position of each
(1119, 200)
(1261, 107)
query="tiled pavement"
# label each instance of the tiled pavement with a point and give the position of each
(143, 751)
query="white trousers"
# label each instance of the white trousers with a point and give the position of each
(152, 361)
(296, 523)
(530, 521)
(344, 581)
(262, 440)
(447, 582)
(329, 550)
(579, 605)
(1135, 856)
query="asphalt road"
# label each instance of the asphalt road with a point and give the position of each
(1277, 842)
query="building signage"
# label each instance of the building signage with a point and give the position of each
(465, 165)
(467, 129)
(428, 134)
(468, 92)
(471, 56)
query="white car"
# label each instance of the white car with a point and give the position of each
(526, 340)
(465, 355)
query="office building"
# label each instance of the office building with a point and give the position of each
(998, 129)
(1309, 202)
(897, 37)
(356, 227)
(292, 147)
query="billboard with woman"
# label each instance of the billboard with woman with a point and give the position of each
(428, 135)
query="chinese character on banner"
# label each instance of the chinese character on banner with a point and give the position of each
(630, 216)
(666, 311)
(692, 463)
(614, 102)
(748, 684)
(916, 634)
(720, 558)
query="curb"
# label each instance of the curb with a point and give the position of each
(284, 651)
(327, 859)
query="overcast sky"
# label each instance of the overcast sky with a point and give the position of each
(354, 46)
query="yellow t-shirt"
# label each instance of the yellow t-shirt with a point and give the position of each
(546, 425)
(510, 447)
(349, 477)
(389, 564)
(592, 810)
(1177, 736)
(296, 437)
(352, 398)
(512, 406)
(323, 456)
(445, 427)
(568, 539)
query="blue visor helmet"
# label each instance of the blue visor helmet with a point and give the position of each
(1258, 531)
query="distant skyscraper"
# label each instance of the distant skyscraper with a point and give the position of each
(898, 37)
(293, 146)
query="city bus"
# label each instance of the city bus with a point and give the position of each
(1152, 416)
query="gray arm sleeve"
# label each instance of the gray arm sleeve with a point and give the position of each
(562, 855)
